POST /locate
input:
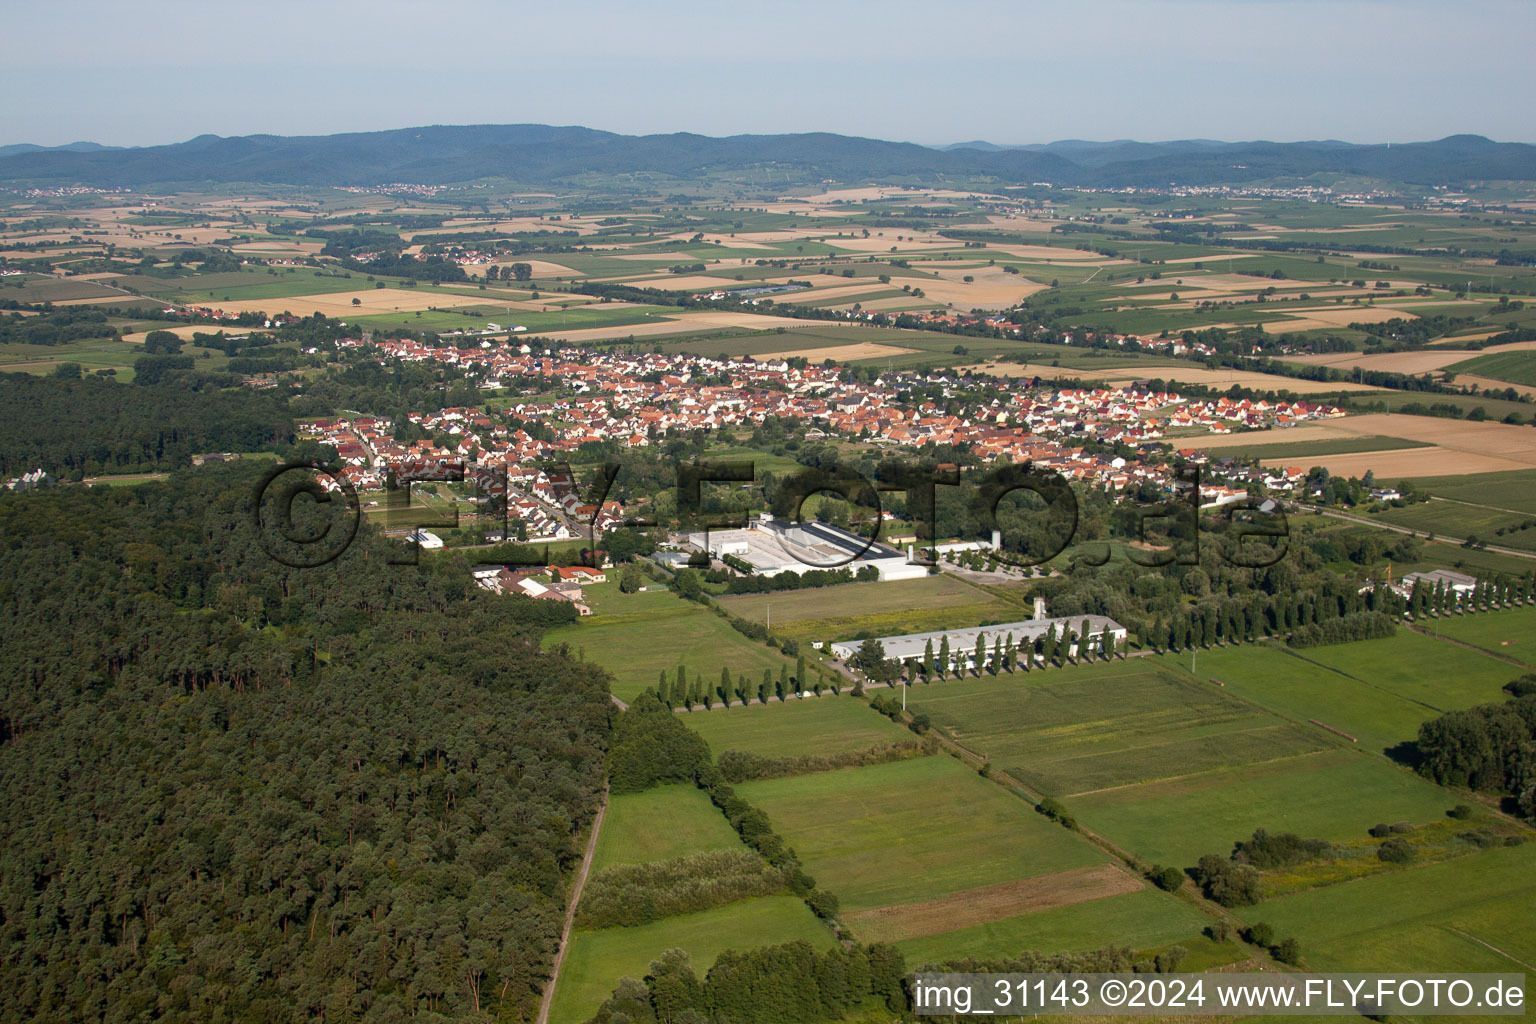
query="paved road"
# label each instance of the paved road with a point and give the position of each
(570, 911)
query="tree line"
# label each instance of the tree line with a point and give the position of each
(636, 894)
(786, 984)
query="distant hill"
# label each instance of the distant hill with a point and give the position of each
(72, 147)
(544, 154)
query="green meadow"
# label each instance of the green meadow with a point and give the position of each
(1069, 731)
(825, 725)
(597, 960)
(661, 824)
(1139, 920)
(1437, 675)
(1509, 634)
(654, 631)
(1469, 914)
(912, 830)
(880, 609)
(1329, 794)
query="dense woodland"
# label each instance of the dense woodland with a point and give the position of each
(79, 428)
(1490, 748)
(233, 791)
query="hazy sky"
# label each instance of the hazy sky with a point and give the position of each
(1009, 72)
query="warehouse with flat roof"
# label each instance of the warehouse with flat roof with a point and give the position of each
(962, 642)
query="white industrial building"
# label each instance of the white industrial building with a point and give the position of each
(772, 546)
(962, 642)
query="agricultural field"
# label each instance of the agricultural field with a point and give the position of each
(1142, 920)
(1514, 491)
(1449, 518)
(1433, 447)
(1515, 367)
(1177, 820)
(880, 609)
(1298, 452)
(872, 834)
(1169, 768)
(1506, 634)
(93, 354)
(1437, 675)
(1469, 914)
(1068, 732)
(1302, 687)
(597, 960)
(886, 837)
(656, 630)
(1376, 690)
(661, 824)
(826, 725)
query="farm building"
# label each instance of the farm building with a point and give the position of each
(963, 642)
(1456, 582)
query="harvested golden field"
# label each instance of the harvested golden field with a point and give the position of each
(901, 302)
(868, 192)
(926, 242)
(1501, 439)
(1459, 338)
(840, 353)
(185, 331)
(687, 282)
(1424, 361)
(1185, 373)
(1407, 463)
(1216, 259)
(672, 257)
(278, 248)
(1332, 430)
(541, 268)
(369, 300)
(99, 300)
(684, 323)
(1456, 447)
(1053, 254)
(1324, 317)
(509, 226)
(840, 290)
(992, 903)
(756, 239)
(990, 287)
(1491, 383)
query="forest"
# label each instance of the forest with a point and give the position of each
(88, 427)
(236, 791)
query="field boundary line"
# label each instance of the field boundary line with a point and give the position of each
(1496, 949)
(1455, 642)
(1412, 532)
(1127, 861)
(1365, 682)
(1196, 775)
(547, 1000)
(1476, 504)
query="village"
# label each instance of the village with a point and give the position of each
(634, 400)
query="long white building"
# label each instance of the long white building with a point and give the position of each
(962, 642)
